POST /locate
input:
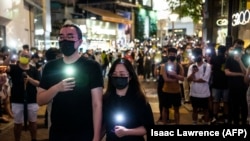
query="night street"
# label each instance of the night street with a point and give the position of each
(6, 130)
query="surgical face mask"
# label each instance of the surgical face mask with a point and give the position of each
(189, 50)
(120, 82)
(24, 60)
(1, 62)
(67, 47)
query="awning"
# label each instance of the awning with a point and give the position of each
(106, 15)
(4, 20)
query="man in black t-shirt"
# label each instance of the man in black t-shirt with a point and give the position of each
(219, 84)
(24, 79)
(75, 85)
(235, 70)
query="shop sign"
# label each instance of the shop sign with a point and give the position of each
(222, 22)
(241, 18)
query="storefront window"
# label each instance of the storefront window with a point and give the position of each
(39, 30)
(2, 36)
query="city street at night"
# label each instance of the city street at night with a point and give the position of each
(6, 129)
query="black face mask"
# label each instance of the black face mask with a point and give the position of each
(198, 59)
(67, 47)
(172, 58)
(120, 82)
(164, 59)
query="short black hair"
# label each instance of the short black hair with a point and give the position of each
(4, 49)
(197, 51)
(51, 53)
(78, 30)
(172, 49)
(26, 46)
(239, 41)
(35, 56)
(222, 49)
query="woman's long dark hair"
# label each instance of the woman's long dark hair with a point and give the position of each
(134, 84)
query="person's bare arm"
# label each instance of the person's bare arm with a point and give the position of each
(121, 131)
(45, 96)
(33, 81)
(230, 73)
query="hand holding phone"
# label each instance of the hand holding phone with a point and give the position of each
(195, 68)
(67, 84)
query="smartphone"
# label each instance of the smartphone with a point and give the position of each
(71, 79)
(170, 68)
(14, 57)
(195, 67)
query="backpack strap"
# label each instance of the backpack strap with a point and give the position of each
(204, 68)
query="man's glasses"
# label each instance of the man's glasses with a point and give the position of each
(68, 37)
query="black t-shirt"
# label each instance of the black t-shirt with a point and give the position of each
(135, 112)
(219, 79)
(40, 63)
(246, 60)
(72, 110)
(17, 80)
(234, 82)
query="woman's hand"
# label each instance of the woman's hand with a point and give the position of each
(120, 131)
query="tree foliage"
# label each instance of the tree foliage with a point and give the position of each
(139, 26)
(190, 8)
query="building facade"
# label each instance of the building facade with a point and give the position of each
(24, 22)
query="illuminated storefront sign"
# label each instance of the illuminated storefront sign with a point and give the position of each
(222, 22)
(241, 18)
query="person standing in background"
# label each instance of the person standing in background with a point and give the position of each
(160, 82)
(25, 78)
(199, 74)
(172, 72)
(236, 71)
(219, 85)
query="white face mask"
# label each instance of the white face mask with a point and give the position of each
(189, 50)
(1, 62)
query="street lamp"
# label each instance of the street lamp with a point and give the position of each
(173, 18)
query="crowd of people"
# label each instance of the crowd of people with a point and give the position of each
(71, 84)
(214, 80)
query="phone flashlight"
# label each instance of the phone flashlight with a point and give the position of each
(170, 68)
(69, 71)
(14, 57)
(190, 54)
(208, 50)
(119, 118)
